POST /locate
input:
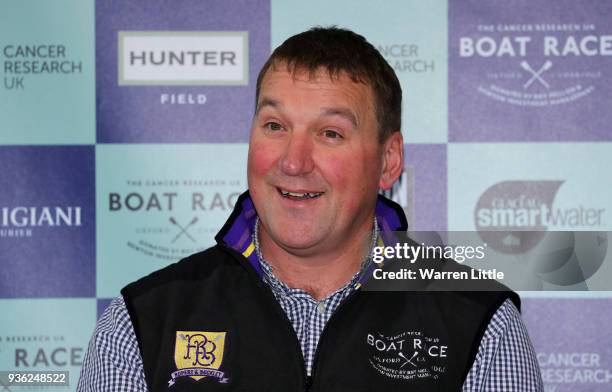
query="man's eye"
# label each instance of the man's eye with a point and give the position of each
(273, 126)
(331, 134)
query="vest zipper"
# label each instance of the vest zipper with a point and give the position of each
(296, 342)
(315, 362)
(307, 380)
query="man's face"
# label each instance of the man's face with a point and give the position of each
(315, 162)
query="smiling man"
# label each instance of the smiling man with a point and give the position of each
(315, 167)
(277, 304)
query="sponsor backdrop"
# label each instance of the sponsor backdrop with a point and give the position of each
(125, 127)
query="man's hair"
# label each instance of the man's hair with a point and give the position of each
(343, 51)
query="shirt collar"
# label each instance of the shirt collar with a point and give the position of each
(237, 233)
(280, 288)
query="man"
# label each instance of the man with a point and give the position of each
(276, 305)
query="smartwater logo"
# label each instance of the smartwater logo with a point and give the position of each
(518, 205)
(508, 207)
(183, 58)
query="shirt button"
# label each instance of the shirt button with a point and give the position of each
(321, 307)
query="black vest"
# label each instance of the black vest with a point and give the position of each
(212, 315)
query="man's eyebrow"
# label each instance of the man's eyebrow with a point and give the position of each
(331, 111)
(267, 102)
(342, 112)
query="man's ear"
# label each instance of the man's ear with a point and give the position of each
(393, 160)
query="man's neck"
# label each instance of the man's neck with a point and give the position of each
(318, 275)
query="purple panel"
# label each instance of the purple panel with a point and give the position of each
(530, 70)
(102, 305)
(421, 190)
(47, 222)
(573, 341)
(135, 114)
(429, 207)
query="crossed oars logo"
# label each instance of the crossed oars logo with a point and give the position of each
(183, 230)
(408, 361)
(536, 75)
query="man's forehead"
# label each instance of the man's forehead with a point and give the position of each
(304, 72)
(277, 74)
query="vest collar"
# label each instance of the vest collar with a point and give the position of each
(237, 233)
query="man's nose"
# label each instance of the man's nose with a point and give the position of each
(297, 157)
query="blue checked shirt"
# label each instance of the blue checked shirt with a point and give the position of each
(505, 360)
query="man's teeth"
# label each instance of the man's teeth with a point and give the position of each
(307, 195)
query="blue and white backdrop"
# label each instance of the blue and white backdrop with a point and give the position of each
(114, 163)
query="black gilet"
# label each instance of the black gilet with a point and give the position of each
(375, 341)
(210, 323)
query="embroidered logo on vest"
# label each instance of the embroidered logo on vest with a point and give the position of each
(198, 354)
(409, 355)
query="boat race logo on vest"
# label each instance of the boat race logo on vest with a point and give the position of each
(409, 355)
(199, 354)
(519, 62)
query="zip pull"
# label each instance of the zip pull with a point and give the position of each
(308, 384)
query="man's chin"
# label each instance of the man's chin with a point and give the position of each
(298, 243)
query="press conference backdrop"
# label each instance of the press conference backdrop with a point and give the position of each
(116, 160)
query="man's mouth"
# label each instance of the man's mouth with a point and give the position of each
(299, 195)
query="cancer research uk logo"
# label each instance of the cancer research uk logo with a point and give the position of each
(408, 355)
(575, 354)
(548, 74)
(23, 62)
(198, 355)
